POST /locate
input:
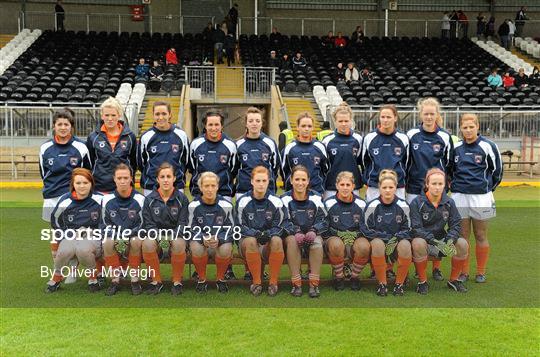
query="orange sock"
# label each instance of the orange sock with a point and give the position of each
(113, 261)
(314, 279)
(421, 269)
(379, 265)
(253, 260)
(482, 255)
(436, 265)
(221, 266)
(134, 262)
(200, 266)
(337, 264)
(57, 278)
(390, 266)
(276, 260)
(152, 263)
(296, 280)
(465, 269)
(403, 269)
(358, 264)
(178, 260)
(457, 266)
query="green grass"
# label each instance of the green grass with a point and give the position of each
(500, 317)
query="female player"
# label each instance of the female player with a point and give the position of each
(261, 217)
(111, 144)
(431, 212)
(255, 149)
(165, 210)
(344, 147)
(307, 152)
(121, 221)
(76, 216)
(215, 152)
(429, 146)
(387, 219)
(476, 172)
(164, 142)
(385, 148)
(306, 224)
(346, 231)
(212, 231)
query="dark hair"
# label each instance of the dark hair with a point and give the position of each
(283, 125)
(165, 166)
(122, 166)
(325, 125)
(162, 103)
(65, 113)
(297, 168)
(213, 113)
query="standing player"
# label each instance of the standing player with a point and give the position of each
(212, 231)
(214, 152)
(387, 219)
(344, 147)
(261, 217)
(165, 216)
(346, 231)
(113, 143)
(164, 142)
(122, 217)
(431, 212)
(255, 149)
(385, 148)
(307, 152)
(429, 146)
(306, 223)
(477, 171)
(79, 209)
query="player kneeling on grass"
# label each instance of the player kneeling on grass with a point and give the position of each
(212, 231)
(431, 212)
(77, 215)
(121, 221)
(346, 227)
(165, 215)
(387, 218)
(306, 223)
(261, 217)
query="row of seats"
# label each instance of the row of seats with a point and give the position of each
(14, 48)
(504, 55)
(529, 46)
(325, 98)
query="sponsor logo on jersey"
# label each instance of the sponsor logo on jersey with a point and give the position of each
(50, 161)
(123, 144)
(113, 214)
(251, 216)
(376, 151)
(335, 219)
(425, 216)
(445, 215)
(316, 160)
(295, 160)
(456, 159)
(219, 220)
(201, 157)
(269, 215)
(265, 156)
(156, 211)
(436, 147)
(355, 151)
(415, 146)
(175, 148)
(132, 213)
(70, 217)
(245, 157)
(379, 219)
(174, 211)
(333, 151)
(478, 159)
(153, 149)
(101, 144)
(94, 215)
(73, 161)
(397, 150)
(398, 218)
(200, 220)
(223, 159)
(310, 213)
(356, 218)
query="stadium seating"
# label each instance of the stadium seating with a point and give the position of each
(15, 47)
(513, 61)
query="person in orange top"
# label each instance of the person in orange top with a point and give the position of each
(508, 80)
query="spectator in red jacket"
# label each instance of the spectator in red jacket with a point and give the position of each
(170, 57)
(508, 80)
(340, 41)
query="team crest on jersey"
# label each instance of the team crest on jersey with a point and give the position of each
(153, 149)
(354, 151)
(456, 159)
(478, 158)
(356, 218)
(201, 157)
(445, 215)
(132, 213)
(175, 148)
(174, 211)
(123, 144)
(379, 219)
(156, 211)
(335, 219)
(101, 144)
(425, 216)
(113, 214)
(50, 161)
(316, 160)
(310, 213)
(415, 146)
(245, 157)
(70, 217)
(219, 220)
(397, 151)
(94, 215)
(295, 161)
(398, 218)
(251, 216)
(436, 147)
(223, 159)
(268, 215)
(376, 151)
(73, 161)
(265, 156)
(334, 151)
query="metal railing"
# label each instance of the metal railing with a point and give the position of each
(258, 81)
(203, 78)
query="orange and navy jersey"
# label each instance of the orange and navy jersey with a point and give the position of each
(74, 213)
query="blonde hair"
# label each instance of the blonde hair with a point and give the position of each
(433, 102)
(205, 175)
(113, 103)
(345, 175)
(302, 116)
(343, 108)
(469, 116)
(387, 174)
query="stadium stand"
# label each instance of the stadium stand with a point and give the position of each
(504, 55)
(15, 47)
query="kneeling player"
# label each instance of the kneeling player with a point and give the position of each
(430, 213)
(306, 224)
(346, 227)
(261, 216)
(387, 219)
(122, 219)
(212, 231)
(165, 214)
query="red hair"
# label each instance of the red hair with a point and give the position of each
(259, 170)
(79, 171)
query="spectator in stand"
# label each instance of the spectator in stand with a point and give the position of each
(328, 40)
(366, 75)
(521, 80)
(534, 79)
(339, 73)
(494, 79)
(275, 38)
(357, 36)
(511, 32)
(233, 18)
(219, 39)
(490, 28)
(351, 73)
(481, 23)
(463, 24)
(454, 17)
(503, 31)
(156, 71)
(273, 60)
(299, 62)
(286, 64)
(340, 41)
(208, 38)
(508, 80)
(170, 57)
(521, 17)
(230, 44)
(445, 26)
(141, 70)
(60, 15)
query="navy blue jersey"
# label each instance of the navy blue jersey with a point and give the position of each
(304, 216)
(218, 157)
(72, 213)
(345, 216)
(385, 221)
(255, 216)
(122, 213)
(215, 219)
(156, 147)
(477, 167)
(429, 222)
(105, 159)
(384, 151)
(262, 151)
(57, 161)
(427, 150)
(344, 155)
(313, 156)
(173, 214)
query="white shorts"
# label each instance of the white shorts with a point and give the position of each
(48, 207)
(410, 197)
(373, 193)
(147, 192)
(479, 206)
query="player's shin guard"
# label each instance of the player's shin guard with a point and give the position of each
(379, 265)
(253, 260)
(421, 265)
(152, 263)
(275, 260)
(457, 267)
(221, 266)
(337, 264)
(482, 255)
(200, 266)
(358, 264)
(178, 260)
(403, 269)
